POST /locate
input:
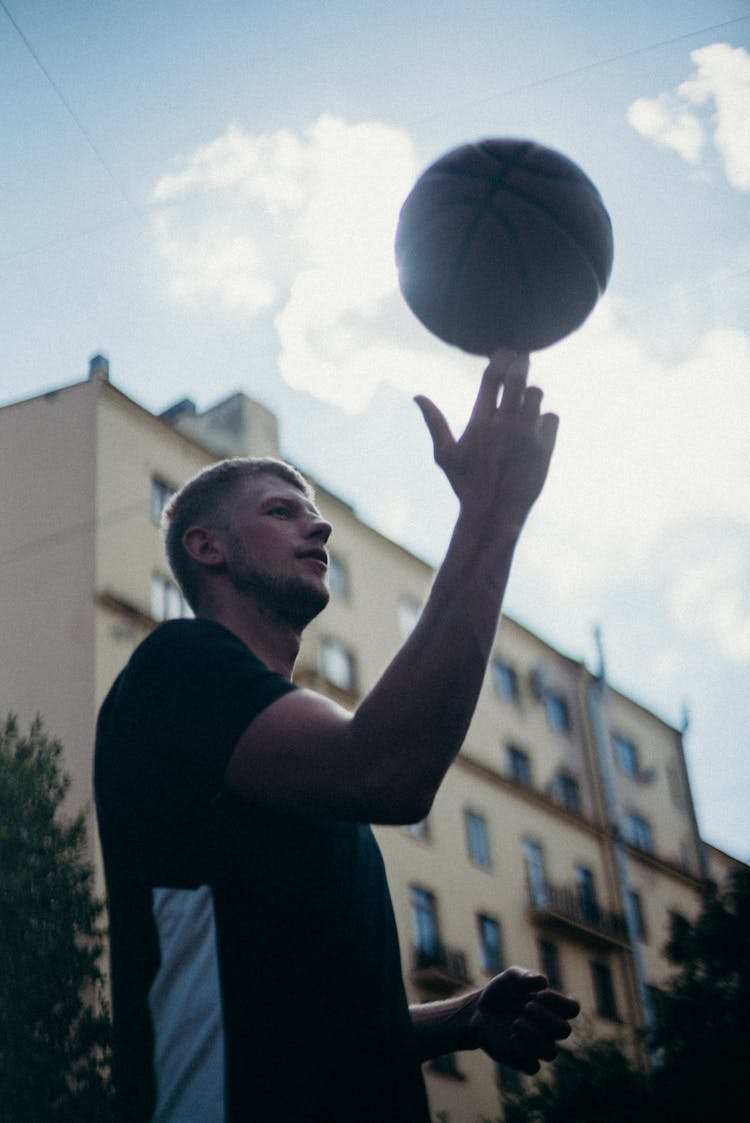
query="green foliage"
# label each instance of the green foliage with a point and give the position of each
(596, 1083)
(703, 1017)
(54, 1025)
(700, 1039)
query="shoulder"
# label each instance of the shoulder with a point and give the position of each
(186, 669)
(187, 635)
(179, 647)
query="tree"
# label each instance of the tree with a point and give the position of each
(703, 1016)
(54, 1023)
(699, 1043)
(593, 1083)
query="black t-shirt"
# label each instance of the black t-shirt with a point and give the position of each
(254, 955)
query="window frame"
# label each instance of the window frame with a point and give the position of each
(330, 647)
(558, 713)
(605, 998)
(491, 957)
(477, 838)
(519, 765)
(626, 755)
(505, 681)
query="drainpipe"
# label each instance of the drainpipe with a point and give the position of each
(597, 703)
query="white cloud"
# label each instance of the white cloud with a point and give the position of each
(715, 101)
(645, 446)
(666, 122)
(304, 222)
(215, 258)
(711, 601)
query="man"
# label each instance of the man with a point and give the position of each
(255, 963)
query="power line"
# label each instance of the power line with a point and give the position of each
(583, 69)
(142, 211)
(68, 107)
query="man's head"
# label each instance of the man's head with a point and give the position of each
(210, 508)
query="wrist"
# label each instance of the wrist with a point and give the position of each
(447, 1027)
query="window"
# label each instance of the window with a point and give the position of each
(505, 681)
(337, 664)
(477, 840)
(549, 962)
(409, 611)
(167, 601)
(626, 754)
(637, 831)
(568, 791)
(419, 830)
(161, 493)
(447, 1065)
(338, 577)
(636, 907)
(519, 766)
(606, 1007)
(586, 894)
(490, 946)
(424, 922)
(558, 713)
(537, 880)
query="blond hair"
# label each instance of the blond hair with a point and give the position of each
(202, 501)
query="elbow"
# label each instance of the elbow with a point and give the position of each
(399, 803)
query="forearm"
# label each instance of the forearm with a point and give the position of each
(444, 1027)
(416, 717)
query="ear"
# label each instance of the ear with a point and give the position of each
(201, 544)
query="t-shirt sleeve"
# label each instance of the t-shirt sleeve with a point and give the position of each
(170, 724)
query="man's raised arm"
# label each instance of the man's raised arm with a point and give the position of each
(385, 762)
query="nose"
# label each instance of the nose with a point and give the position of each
(320, 528)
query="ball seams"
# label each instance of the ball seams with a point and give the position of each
(490, 203)
(531, 210)
(451, 306)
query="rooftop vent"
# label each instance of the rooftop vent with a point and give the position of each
(99, 367)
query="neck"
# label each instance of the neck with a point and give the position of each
(273, 642)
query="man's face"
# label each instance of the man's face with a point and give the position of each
(275, 549)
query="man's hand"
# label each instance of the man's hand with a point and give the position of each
(500, 462)
(517, 1019)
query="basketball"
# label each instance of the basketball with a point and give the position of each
(503, 243)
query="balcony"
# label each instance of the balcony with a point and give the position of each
(561, 907)
(440, 970)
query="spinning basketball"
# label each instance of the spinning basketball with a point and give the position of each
(503, 243)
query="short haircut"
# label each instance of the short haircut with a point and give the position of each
(201, 501)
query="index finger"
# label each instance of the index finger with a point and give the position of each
(495, 374)
(561, 1004)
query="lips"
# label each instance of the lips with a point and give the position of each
(316, 555)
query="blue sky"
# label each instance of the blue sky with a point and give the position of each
(207, 193)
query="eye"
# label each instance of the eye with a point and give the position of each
(281, 511)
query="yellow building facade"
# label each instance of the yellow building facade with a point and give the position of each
(563, 837)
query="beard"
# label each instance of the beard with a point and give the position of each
(289, 601)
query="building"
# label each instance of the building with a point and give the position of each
(564, 836)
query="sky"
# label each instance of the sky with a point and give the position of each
(207, 193)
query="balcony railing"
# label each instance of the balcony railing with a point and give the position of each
(439, 969)
(562, 906)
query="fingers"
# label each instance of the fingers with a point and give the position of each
(543, 1022)
(439, 429)
(508, 369)
(514, 386)
(524, 1019)
(548, 426)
